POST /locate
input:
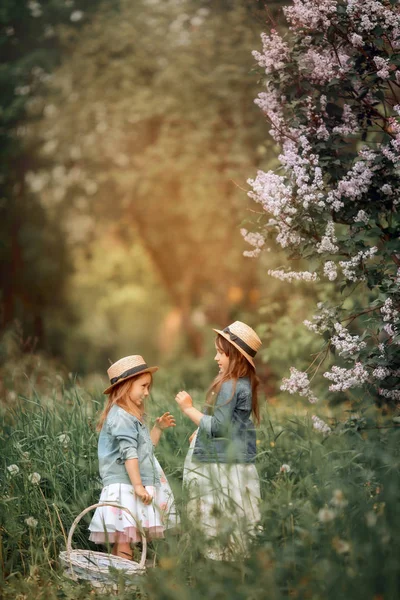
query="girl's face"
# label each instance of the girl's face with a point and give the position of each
(222, 360)
(140, 389)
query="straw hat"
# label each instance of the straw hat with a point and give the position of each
(244, 338)
(126, 368)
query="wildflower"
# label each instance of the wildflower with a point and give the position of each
(325, 515)
(64, 439)
(341, 546)
(371, 519)
(13, 469)
(31, 522)
(320, 425)
(76, 16)
(34, 478)
(285, 468)
(338, 499)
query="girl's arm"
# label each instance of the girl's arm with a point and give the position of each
(132, 468)
(185, 403)
(163, 422)
(215, 425)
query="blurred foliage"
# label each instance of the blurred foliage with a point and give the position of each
(34, 262)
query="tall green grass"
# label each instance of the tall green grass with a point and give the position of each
(330, 525)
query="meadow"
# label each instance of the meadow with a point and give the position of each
(330, 505)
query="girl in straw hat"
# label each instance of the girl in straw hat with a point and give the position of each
(130, 473)
(219, 471)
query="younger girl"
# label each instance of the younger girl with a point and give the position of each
(219, 472)
(130, 473)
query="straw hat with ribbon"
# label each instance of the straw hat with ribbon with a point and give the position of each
(244, 338)
(126, 368)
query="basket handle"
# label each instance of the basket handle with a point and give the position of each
(92, 507)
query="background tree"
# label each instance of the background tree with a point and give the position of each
(33, 257)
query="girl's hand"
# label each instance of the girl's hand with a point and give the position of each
(165, 421)
(192, 436)
(184, 400)
(143, 494)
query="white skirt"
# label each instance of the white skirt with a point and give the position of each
(224, 503)
(114, 525)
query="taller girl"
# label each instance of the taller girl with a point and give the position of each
(220, 474)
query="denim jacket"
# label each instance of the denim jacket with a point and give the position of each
(228, 435)
(122, 437)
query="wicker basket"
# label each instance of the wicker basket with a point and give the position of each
(100, 568)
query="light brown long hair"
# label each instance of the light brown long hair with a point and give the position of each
(120, 396)
(238, 366)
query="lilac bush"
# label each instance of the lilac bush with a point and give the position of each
(331, 95)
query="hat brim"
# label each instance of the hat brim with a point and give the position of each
(147, 370)
(228, 339)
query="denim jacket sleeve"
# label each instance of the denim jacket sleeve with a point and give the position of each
(124, 428)
(217, 424)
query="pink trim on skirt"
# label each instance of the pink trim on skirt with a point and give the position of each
(130, 534)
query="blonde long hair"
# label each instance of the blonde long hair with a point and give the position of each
(238, 367)
(120, 396)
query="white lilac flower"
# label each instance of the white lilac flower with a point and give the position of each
(350, 267)
(330, 270)
(327, 243)
(34, 478)
(293, 275)
(357, 40)
(274, 54)
(322, 321)
(325, 515)
(387, 189)
(320, 425)
(361, 217)
(13, 469)
(344, 379)
(298, 383)
(312, 14)
(381, 373)
(389, 394)
(388, 311)
(345, 343)
(31, 522)
(382, 64)
(285, 468)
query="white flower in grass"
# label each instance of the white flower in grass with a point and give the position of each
(320, 425)
(338, 499)
(31, 522)
(325, 515)
(13, 469)
(371, 519)
(341, 546)
(34, 478)
(76, 16)
(64, 439)
(285, 469)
